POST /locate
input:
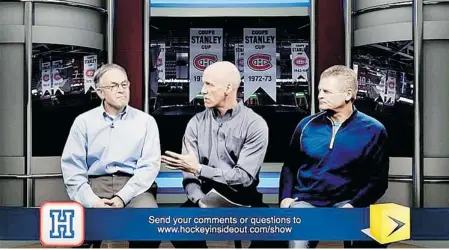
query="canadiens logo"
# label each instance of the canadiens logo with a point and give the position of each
(300, 61)
(259, 62)
(391, 85)
(159, 62)
(200, 62)
(90, 72)
(56, 77)
(45, 78)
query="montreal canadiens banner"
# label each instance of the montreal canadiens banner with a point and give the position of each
(239, 57)
(300, 62)
(260, 61)
(206, 47)
(56, 75)
(390, 88)
(161, 63)
(90, 65)
(46, 78)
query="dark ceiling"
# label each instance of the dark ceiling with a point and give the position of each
(175, 31)
(391, 55)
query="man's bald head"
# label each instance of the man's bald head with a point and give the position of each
(221, 83)
(222, 73)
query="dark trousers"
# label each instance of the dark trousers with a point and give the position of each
(364, 244)
(203, 244)
(107, 187)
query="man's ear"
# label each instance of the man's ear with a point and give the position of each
(349, 95)
(228, 89)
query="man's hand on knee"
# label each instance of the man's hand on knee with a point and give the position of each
(347, 205)
(103, 203)
(201, 204)
(286, 203)
(115, 202)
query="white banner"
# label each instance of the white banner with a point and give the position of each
(239, 57)
(161, 63)
(46, 78)
(57, 78)
(260, 61)
(206, 47)
(390, 88)
(355, 67)
(381, 87)
(90, 65)
(300, 62)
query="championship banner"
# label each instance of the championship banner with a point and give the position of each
(381, 87)
(239, 57)
(56, 76)
(365, 79)
(90, 65)
(371, 81)
(390, 88)
(300, 62)
(206, 47)
(161, 63)
(260, 61)
(46, 78)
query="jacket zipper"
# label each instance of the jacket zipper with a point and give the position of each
(334, 133)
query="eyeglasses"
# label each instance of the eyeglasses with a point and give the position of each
(114, 86)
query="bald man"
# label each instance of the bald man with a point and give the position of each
(223, 147)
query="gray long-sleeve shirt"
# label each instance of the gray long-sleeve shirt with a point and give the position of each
(230, 148)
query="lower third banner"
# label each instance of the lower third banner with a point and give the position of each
(69, 224)
(71, 221)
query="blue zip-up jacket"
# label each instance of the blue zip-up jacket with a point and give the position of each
(323, 169)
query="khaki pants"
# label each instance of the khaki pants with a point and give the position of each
(108, 186)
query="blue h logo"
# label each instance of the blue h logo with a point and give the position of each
(62, 223)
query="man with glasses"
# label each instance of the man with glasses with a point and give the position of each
(336, 158)
(112, 154)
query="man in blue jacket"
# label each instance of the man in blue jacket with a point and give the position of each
(337, 157)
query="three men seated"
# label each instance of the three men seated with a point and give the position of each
(336, 158)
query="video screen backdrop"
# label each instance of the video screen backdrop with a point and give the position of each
(272, 54)
(62, 88)
(385, 76)
(62, 80)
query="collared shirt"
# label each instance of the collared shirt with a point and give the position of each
(99, 144)
(230, 148)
